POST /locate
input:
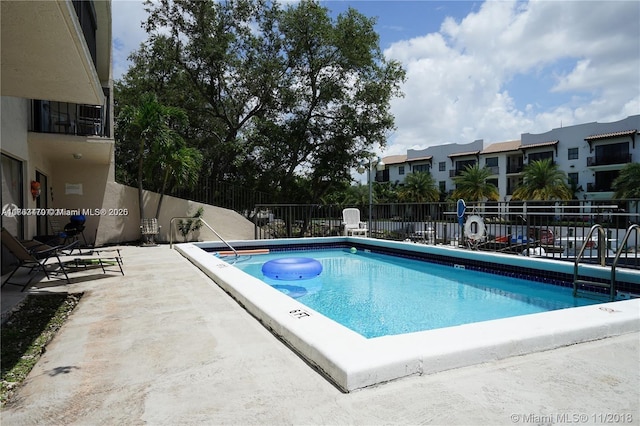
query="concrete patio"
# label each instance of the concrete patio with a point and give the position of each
(163, 345)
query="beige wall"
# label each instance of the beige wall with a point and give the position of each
(93, 179)
(124, 225)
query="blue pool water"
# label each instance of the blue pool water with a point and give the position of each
(376, 294)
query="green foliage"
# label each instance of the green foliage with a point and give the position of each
(279, 99)
(419, 187)
(627, 184)
(543, 180)
(472, 185)
(357, 195)
(150, 140)
(190, 225)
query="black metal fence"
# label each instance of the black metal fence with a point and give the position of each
(225, 195)
(532, 228)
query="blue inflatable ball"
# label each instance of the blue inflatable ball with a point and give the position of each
(292, 268)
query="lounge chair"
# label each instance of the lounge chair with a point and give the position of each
(352, 224)
(43, 258)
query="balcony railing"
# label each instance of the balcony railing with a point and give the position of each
(514, 168)
(605, 160)
(68, 119)
(594, 187)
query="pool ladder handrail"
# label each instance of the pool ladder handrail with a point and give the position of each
(602, 254)
(621, 247)
(205, 224)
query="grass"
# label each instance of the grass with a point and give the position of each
(26, 334)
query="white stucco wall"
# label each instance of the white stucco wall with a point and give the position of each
(121, 228)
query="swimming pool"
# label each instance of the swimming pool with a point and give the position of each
(375, 294)
(352, 361)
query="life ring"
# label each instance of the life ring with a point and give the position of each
(546, 236)
(292, 268)
(474, 228)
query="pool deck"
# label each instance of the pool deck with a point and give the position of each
(163, 345)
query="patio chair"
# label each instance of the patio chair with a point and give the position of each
(352, 224)
(149, 228)
(58, 257)
(36, 258)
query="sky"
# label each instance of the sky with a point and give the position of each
(487, 70)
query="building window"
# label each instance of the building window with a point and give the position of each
(615, 153)
(572, 178)
(537, 156)
(572, 154)
(491, 162)
(463, 164)
(421, 168)
(401, 170)
(442, 166)
(442, 185)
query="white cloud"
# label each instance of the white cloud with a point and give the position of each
(457, 79)
(128, 16)
(506, 69)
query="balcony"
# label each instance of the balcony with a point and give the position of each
(514, 168)
(68, 119)
(455, 172)
(51, 52)
(605, 160)
(495, 170)
(597, 187)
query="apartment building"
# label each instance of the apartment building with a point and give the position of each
(591, 154)
(56, 104)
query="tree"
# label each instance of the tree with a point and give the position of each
(387, 192)
(174, 165)
(627, 184)
(358, 195)
(159, 150)
(543, 180)
(273, 95)
(419, 187)
(472, 185)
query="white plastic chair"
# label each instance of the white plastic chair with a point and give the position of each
(352, 224)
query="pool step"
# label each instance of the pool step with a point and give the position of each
(592, 283)
(579, 290)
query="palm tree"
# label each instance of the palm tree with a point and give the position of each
(357, 195)
(178, 166)
(161, 150)
(419, 187)
(472, 185)
(386, 192)
(627, 184)
(543, 180)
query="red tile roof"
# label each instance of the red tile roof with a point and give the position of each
(463, 154)
(502, 147)
(427, 158)
(394, 159)
(536, 145)
(611, 135)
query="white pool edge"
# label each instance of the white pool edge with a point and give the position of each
(352, 362)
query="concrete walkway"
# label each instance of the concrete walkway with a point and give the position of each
(163, 345)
